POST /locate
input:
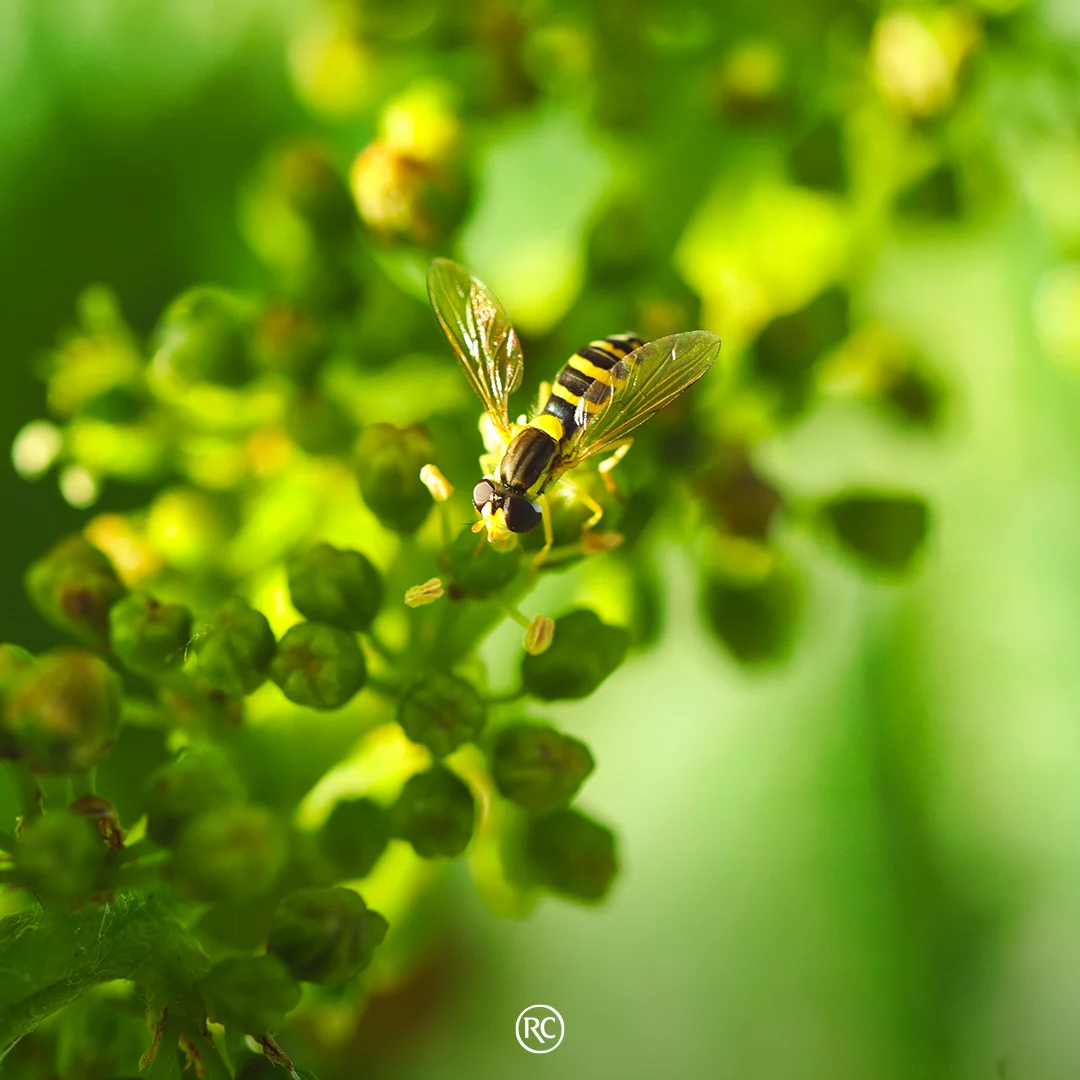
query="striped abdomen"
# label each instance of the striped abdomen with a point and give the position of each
(588, 375)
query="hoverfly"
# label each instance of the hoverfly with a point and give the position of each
(602, 393)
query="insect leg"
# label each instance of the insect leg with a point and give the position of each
(609, 463)
(549, 534)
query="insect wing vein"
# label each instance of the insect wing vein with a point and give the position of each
(481, 335)
(644, 382)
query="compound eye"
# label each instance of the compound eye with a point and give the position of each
(483, 493)
(521, 515)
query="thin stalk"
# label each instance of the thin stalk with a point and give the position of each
(380, 646)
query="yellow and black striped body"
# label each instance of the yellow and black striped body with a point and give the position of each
(587, 377)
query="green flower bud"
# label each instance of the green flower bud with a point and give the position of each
(441, 711)
(304, 176)
(73, 587)
(148, 637)
(290, 341)
(584, 653)
(234, 645)
(337, 587)
(325, 283)
(228, 853)
(755, 619)
(62, 858)
(178, 792)
(65, 714)
(203, 337)
(325, 935)
(318, 665)
(537, 767)
(15, 664)
(789, 347)
(435, 813)
(200, 708)
(354, 836)
(478, 573)
(572, 854)
(884, 531)
(319, 425)
(388, 463)
(250, 994)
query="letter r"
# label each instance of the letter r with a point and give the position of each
(534, 1023)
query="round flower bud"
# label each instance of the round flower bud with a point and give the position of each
(234, 645)
(319, 425)
(228, 853)
(64, 715)
(15, 664)
(303, 176)
(249, 994)
(62, 858)
(203, 337)
(318, 666)
(441, 711)
(73, 587)
(882, 530)
(388, 462)
(582, 655)
(537, 767)
(478, 573)
(354, 836)
(147, 636)
(325, 935)
(755, 619)
(572, 854)
(290, 341)
(337, 587)
(435, 813)
(179, 791)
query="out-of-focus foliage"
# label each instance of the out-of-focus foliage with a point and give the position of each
(217, 494)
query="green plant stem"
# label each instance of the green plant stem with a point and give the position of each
(384, 686)
(380, 646)
(502, 699)
(26, 788)
(8, 842)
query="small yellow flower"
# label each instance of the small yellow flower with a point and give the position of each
(539, 635)
(428, 593)
(598, 543)
(441, 489)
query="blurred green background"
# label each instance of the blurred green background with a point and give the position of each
(862, 859)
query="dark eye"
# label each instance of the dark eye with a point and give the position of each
(482, 494)
(521, 515)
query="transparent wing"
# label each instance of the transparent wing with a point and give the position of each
(479, 331)
(642, 384)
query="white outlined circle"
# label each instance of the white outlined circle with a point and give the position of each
(525, 1015)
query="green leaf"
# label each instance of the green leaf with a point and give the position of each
(49, 959)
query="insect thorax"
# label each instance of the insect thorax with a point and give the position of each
(526, 465)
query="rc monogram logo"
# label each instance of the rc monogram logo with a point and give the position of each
(540, 1029)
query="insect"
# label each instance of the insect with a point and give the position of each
(602, 393)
